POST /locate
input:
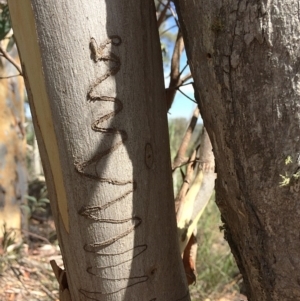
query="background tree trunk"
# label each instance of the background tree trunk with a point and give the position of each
(95, 82)
(245, 63)
(13, 173)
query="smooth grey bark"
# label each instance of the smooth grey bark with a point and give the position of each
(245, 58)
(102, 71)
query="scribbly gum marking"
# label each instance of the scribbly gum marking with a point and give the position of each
(96, 213)
(90, 169)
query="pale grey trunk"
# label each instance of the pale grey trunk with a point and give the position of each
(245, 59)
(117, 225)
(13, 172)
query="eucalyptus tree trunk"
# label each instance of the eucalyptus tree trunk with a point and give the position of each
(94, 77)
(13, 173)
(245, 63)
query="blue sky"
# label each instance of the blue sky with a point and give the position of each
(182, 106)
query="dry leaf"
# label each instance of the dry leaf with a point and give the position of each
(189, 260)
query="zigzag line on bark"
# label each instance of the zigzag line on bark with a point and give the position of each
(92, 212)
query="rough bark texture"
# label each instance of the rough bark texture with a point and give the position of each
(102, 132)
(245, 59)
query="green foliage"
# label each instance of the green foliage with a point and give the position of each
(9, 237)
(177, 128)
(167, 41)
(165, 53)
(11, 43)
(30, 133)
(35, 206)
(30, 136)
(216, 266)
(5, 24)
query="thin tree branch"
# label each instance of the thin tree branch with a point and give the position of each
(18, 277)
(183, 69)
(49, 293)
(180, 156)
(185, 78)
(10, 59)
(175, 70)
(174, 16)
(175, 61)
(35, 235)
(193, 100)
(162, 15)
(186, 84)
(10, 76)
(187, 161)
(163, 32)
(186, 183)
(171, 10)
